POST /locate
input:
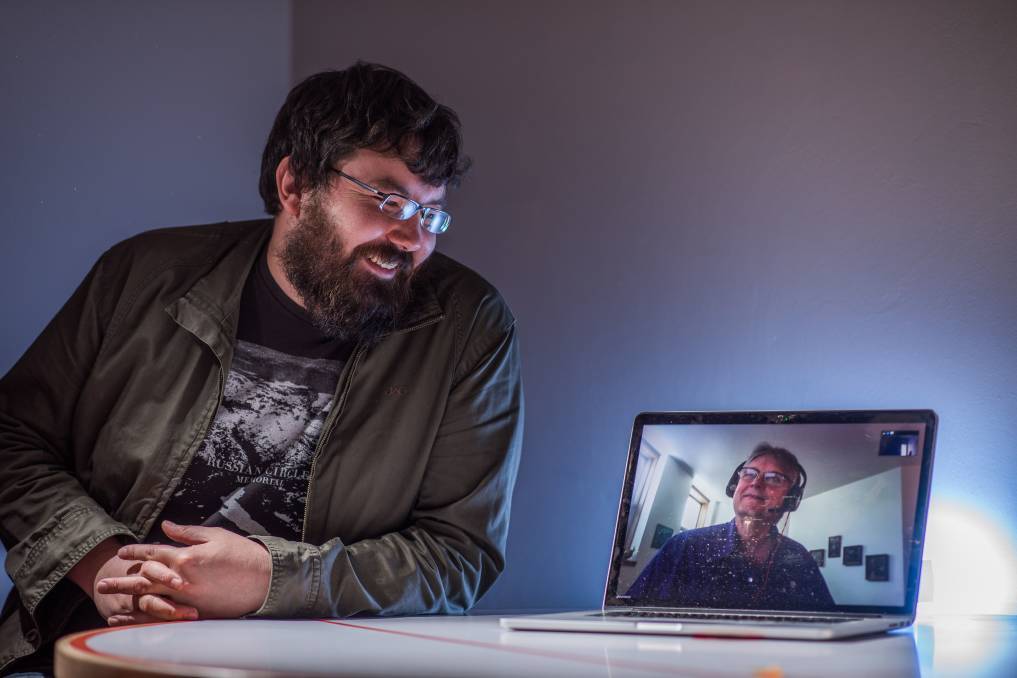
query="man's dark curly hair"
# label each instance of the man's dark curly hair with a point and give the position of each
(330, 115)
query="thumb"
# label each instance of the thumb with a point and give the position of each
(186, 534)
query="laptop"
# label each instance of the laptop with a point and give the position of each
(801, 525)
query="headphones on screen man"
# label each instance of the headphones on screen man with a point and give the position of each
(791, 500)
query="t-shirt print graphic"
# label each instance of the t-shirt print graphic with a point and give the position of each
(251, 472)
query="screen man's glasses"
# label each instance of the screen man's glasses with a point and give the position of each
(401, 208)
(749, 475)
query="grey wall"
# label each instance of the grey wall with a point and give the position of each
(698, 205)
(875, 527)
(689, 205)
(118, 117)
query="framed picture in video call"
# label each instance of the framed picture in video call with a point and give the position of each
(819, 555)
(833, 546)
(852, 555)
(660, 536)
(877, 567)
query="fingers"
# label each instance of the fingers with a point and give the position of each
(187, 534)
(190, 535)
(150, 576)
(134, 585)
(130, 618)
(165, 608)
(150, 608)
(114, 605)
(160, 552)
(157, 572)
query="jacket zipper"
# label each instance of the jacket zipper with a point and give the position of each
(326, 430)
(329, 425)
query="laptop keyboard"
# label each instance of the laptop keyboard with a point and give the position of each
(729, 616)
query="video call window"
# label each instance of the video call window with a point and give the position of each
(898, 443)
(713, 530)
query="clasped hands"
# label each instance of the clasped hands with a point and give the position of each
(216, 574)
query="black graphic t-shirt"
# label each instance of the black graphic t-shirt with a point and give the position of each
(250, 474)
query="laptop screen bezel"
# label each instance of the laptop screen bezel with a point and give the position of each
(782, 418)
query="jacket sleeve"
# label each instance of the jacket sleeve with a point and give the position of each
(48, 521)
(453, 548)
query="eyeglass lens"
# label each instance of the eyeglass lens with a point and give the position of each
(770, 477)
(398, 207)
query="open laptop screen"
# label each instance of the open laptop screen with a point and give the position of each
(804, 511)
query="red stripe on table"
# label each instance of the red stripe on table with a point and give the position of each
(81, 643)
(533, 652)
(171, 668)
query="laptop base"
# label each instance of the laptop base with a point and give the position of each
(600, 621)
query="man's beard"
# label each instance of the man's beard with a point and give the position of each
(343, 301)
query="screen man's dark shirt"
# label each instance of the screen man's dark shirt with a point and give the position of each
(707, 567)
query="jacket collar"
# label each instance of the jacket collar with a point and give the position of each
(209, 310)
(424, 307)
(210, 307)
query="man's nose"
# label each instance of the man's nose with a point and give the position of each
(407, 234)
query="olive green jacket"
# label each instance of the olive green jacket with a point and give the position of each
(408, 501)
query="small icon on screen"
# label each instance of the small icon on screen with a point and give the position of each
(898, 444)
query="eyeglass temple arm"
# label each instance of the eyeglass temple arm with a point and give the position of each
(360, 183)
(420, 211)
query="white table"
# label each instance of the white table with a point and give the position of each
(477, 646)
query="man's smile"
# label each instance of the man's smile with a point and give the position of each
(382, 266)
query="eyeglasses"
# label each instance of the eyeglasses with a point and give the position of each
(401, 208)
(749, 475)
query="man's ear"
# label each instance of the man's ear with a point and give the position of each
(287, 186)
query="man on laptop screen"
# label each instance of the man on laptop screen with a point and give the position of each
(817, 534)
(746, 562)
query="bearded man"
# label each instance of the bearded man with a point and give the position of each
(309, 416)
